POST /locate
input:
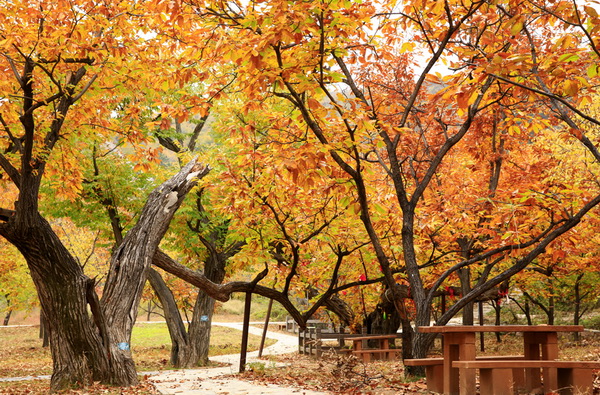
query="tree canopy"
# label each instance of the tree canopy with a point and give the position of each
(418, 144)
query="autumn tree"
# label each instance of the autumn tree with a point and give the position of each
(362, 81)
(54, 57)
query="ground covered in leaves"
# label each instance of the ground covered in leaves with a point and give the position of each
(41, 387)
(336, 374)
(346, 375)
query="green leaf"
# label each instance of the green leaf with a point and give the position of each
(568, 57)
(516, 28)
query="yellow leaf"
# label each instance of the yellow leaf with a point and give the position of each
(516, 28)
(407, 47)
(571, 88)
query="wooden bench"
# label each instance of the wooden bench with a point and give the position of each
(496, 377)
(434, 369)
(382, 350)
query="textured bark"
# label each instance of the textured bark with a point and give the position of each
(199, 329)
(44, 330)
(79, 351)
(132, 258)
(199, 332)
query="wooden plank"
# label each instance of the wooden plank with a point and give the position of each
(488, 364)
(377, 337)
(499, 328)
(440, 361)
(376, 350)
(424, 361)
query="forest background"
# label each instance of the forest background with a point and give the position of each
(363, 157)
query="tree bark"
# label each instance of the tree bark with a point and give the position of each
(177, 330)
(8, 312)
(7, 318)
(222, 292)
(199, 331)
(132, 258)
(79, 349)
(44, 330)
(92, 347)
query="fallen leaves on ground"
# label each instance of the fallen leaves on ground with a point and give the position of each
(43, 387)
(338, 374)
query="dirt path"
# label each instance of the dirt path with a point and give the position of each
(211, 381)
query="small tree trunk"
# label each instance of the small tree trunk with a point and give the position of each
(149, 310)
(497, 310)
(551, 308)
(7, 318)
(464, 276)
(179, 336)
(527, 312)
(576, 314)
(199, 330)
(465, 285)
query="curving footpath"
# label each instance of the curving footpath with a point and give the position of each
(212, 382)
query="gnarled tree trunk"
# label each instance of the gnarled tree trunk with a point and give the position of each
(131, 260)
(87, 348)
(79, 351)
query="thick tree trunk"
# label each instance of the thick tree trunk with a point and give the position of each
(132, 258)
(79, 347)
(199, 329)
(92, 347)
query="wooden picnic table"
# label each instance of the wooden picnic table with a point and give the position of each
(382, 349)
(539, 342)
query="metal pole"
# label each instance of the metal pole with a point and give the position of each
(245, 331)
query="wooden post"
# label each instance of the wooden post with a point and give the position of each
(481, 319)
(319, 351)
(264, 334)
(245, 331)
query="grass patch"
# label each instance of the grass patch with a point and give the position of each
(22, 353)
(258, 312)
